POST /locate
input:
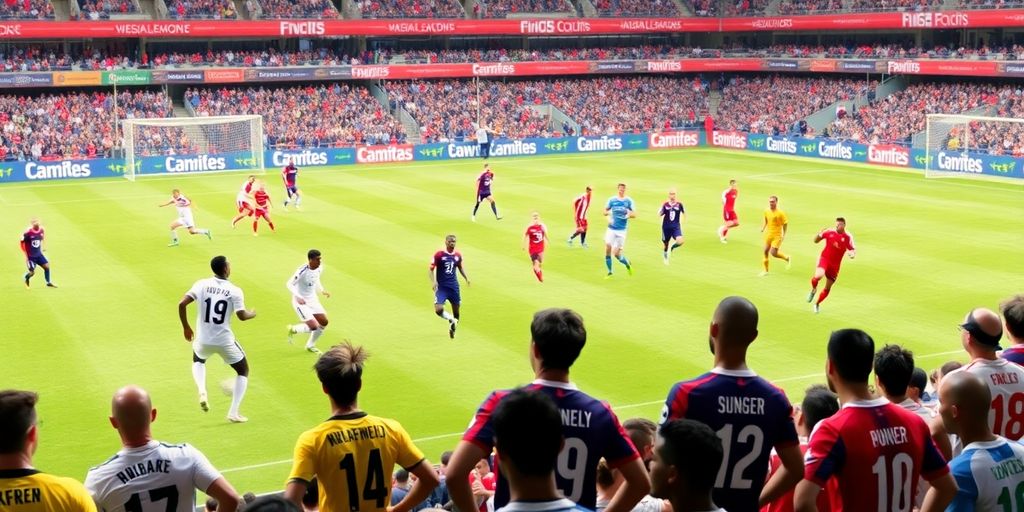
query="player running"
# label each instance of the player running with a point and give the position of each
(580, 207)
(536, 236)
(289, 174)
(262, 209)
(671, 212)
(243, 201)
(776, 224)
(32, 246)
(217, 298)
(619, 210)
(184, 206)
(445, 282)
(304, 285)
(728, 211)
(837, 242)
(483, 191)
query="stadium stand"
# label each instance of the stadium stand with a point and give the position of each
(202, 9)
(504, 8)
(625, 8)
(26, 10)
(324, 115)
(995, 138)
(285, 9)
(103, 9)
(411, 9)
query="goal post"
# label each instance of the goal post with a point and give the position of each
(187, 145)
(963, 146)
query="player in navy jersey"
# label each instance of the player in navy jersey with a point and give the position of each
(289, 174)
(483, 191)
(32, 246)
(671, 212)
(1013, 320)
(445, 282)
(875, 449)
(590, 428)
(749, 414)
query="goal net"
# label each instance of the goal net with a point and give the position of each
(957, 144)
(188, 145)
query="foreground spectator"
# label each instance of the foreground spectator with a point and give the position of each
(340, 371)
(642, 432)
(558, 337)
(187, 469)
(439, 496)
(22, 487)
(681, 468)
(849, 445)
(722, 399)
(211, 505)
(1013, 321)
(982, 470)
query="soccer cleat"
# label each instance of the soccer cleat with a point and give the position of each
(664, 257)
(313, 350)
(291, 334)
(51, 285)
(173, 244)
(723, 240)
(452, 324)
(237, 418)
(209, 234)
(499, 218)
(608, 276)
(27, 285)
(810, 296)
(584, 245)
(762, 273)
(203, 404)
(629, 268)
(817, 308)
(255, 234)
(569, 242)
(789, 263)
(472, 218)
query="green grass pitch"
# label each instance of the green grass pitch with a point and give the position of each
(929, 250)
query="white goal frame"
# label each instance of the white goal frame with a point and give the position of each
(255, 142)
(937, 130)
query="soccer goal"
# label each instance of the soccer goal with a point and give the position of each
(955, 143)
(192, 145)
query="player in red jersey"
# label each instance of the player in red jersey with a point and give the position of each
(837, 242)
(243, 201)
(579, 208)
(262, 208)
(536, 236)
(876, 449)
(728, 211)
(289, 175)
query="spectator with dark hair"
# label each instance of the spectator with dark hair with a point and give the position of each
(399, 486)
(642, 432)
(503, 8)
(26, 9)
(411, 9)
(210, 505)
(202, 9)
(20, 483)
(557, 338)
(292, 9)
(248, 497)
(734, 398)
(818, 403)
(319, 450)
(682, 467)
(102, 9)
(439, 496)
(848, 445)
(916, 390)
(1013, 321)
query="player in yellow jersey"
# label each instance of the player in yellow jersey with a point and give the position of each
(776, 223)
(353, 454)
(22, 487)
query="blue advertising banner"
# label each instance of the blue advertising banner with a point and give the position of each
(531, 146)
(970, 163)
(184, 164)
(60, 170)
(316, 157)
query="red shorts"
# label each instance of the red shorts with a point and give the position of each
(244, 207)
(537, 256)
(260, 212)
(581, 224)
(729, 215)
(831, 268)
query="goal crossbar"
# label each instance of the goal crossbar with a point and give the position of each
(192, 145)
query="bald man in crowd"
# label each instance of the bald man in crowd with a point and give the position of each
(148, 471)
(980, 334)
(989, 470)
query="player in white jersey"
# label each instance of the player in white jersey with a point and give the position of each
(217, 298)
(990, 471)
(304, 285)
(243, 201)
(184, 206)
(147, 475)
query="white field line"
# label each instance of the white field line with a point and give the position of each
(617, 408)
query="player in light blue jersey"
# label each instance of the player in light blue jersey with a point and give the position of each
(990, 470)
(618, 210)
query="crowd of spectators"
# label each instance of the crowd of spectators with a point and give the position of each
(625, 8)
(991, 4)
(103, 9)
(894, 5)
(504, 8)
(26, 10)
(411, 9)
(996, 138)
(202, 9)
(325, 115)
(287, 9)
(70, 125)
(897, 117)
(249, 58)
(790, 7)
(775, 104)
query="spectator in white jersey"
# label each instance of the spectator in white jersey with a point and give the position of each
(988, 471)
(147, 471)
(642, 432)
(682, 469)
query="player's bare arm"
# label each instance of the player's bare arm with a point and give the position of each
(245, 314)
(462, 462)
(940, 495)
(637, 484)
(294, 491)
(463, 272)
(426, 481)
(183, 316)
(433, 279)
(818, 237)
(168, 203)
(765, 225)
(785, 228)
(787, 477)
(227, 497)
(805, 498)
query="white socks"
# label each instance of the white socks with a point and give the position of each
(301, 328)
(447, 316)
(199, 375)
(315, 335)
(174, 236)
(236, 398)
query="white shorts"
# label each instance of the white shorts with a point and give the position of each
(186, 220)
(615, 238)
(307, 310)
(230, 353)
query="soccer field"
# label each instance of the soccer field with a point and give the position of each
(928, 251)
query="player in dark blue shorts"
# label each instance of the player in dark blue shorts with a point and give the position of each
(672, 212)
(445, 282)
(483, 191)
(32, 246)
(289, 174)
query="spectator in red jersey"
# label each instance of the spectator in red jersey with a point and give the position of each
(629, 8)
(503, 8)
(285, 9)
(203, 9)
(411, 9)
(26, 10)
(483, 483)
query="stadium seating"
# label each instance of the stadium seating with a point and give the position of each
(411, 9)
(26, 10)
(619, 8)
(283, 9)
(504, 8)
(774, 104)
(103, 9)
(202, 9)
(325, 115)
(992, 4)
(264, 58)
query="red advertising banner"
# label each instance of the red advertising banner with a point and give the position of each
(204, 29)
(669, 140)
